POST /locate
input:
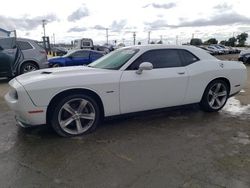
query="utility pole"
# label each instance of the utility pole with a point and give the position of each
(149, 37)
(44, 22)
(192, 35)
(134, 36)
(176, 39)
(107, 35)
(161, 38)
(54, 39)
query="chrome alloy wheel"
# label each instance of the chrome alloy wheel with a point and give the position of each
(217, 95)
(76, 116)
(29, 68)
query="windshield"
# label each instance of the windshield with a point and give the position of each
(70, 52)
(115, 60)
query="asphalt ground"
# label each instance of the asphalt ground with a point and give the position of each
(181, 147)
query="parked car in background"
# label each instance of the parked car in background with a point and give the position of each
(215, 50)
(221, 47)
(59, 51)
(207, 50)
(75, 57)
(244, 56)
(73, 100)
(19, 55)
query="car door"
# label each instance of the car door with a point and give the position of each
(8, 56)
(163, 86)
(94, 56)
(81, 57)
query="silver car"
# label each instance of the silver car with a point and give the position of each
(19, 55)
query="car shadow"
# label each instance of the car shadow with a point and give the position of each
(136, 121)
(4, 80)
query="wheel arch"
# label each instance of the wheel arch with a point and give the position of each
(219, 78)
(27, 61)
(64, 93)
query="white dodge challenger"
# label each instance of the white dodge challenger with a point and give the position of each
(74, 99)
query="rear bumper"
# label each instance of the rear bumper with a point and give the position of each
(44, 65)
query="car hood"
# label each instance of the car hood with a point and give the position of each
(57, 74)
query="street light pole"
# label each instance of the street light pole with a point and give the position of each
(107, 35)
(44, 23)
(134, 36)
(149, 37)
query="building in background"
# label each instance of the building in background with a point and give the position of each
(4, 33)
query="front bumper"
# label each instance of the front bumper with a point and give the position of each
(25, 111)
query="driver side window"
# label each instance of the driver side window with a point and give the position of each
(163, 58)
(80, 54)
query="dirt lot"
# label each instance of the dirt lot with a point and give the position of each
(181, 148)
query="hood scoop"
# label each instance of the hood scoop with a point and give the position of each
(46, 72)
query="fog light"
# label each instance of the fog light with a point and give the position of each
(13, 93)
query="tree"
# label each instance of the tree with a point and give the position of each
(211, 41)
(231, 41)
(223, 42)
(196, 42)
(242, 39)
(160, 42)
(152, 42)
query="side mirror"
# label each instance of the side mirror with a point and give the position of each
(144, 66)
(1, 48)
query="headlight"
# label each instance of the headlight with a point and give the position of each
(13, 93)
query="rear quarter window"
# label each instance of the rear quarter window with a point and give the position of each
(24, 45)
(187, 57)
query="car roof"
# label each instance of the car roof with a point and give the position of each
(79, 50)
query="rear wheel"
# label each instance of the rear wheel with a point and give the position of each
(215, 96)
(75, 115)
(28, 67)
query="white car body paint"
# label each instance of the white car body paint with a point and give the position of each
(123, 91)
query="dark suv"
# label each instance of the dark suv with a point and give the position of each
(19, 55)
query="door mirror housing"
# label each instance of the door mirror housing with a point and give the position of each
(1, 48)
(144, 66)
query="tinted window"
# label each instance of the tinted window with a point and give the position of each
(81, 54)
(95, 55)
(187, 57)
(24, 45)
(7, 43)
(164, 58)
(85, 43)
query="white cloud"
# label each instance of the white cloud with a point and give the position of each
(70, 20)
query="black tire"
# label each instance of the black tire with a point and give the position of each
(248, 61)
(56, 65)
(28, 67)
(56, 113)
(205, 105)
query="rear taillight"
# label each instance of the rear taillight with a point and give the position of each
(43, 52)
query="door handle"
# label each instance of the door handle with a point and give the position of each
(180, 73)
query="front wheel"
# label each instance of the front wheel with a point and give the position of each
(75, 115)
(215, 96)
(56, 65)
